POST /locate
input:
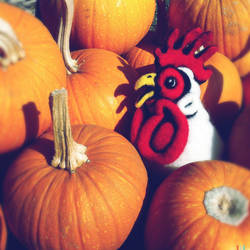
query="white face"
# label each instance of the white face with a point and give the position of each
(195, 87)
(190, 104)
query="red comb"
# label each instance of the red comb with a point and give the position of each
(190, 51)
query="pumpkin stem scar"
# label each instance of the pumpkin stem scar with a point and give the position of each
(67, 13)
(68, 154)
(227, 205)
(11, 49)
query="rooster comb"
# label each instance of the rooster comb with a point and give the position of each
(190, 51)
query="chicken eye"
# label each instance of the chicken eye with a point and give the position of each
(170, 82)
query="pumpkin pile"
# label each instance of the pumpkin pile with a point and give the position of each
(72, 176)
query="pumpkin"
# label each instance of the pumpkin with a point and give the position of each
(31, 66)
(229, 21)
(222, 94)
(99, 82)
(202, 205)
(74, 188)
(141, 57)
(97, 92)
(3, 230)
(106, 24)
(239, 144)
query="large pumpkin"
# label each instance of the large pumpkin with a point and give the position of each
(79, 189)
(31, 66)
(229, 20)
(107, 24)
(201, 206)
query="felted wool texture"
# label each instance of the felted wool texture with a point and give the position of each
(188, 51)
(204, 142)
(172, 127)
(160, 131)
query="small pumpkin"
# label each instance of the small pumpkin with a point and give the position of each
(105, 24)
(31, 66)
(74, 188)
(228, 20)
(202, 205)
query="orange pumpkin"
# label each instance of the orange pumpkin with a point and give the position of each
(222, 94)
(99, 83)
(105, 24)
(77, 189)
(228, 20)
(239, 143)
(31, 66)
(98, 89)
(202, 206)
(141, 57)
(3, 230)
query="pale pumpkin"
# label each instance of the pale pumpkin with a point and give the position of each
(107, 24)
(79, 188)
(228, 20)
(31, 66)
(201, 206)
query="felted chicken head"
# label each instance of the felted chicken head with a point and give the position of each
(170, 125)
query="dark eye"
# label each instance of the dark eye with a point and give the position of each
(170, 82)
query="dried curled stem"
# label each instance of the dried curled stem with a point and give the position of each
(68, 154)
(11, 50)
(67, 13)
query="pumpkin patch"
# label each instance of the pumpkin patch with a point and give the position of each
(124, 124)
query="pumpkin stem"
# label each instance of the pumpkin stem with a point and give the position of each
(67, 13)
(227, 205)
(11, 50)
(68, 154)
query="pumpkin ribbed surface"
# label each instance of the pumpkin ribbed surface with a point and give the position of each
(101, 93)
(179, 217)
(228, 20)
(94, 208)
(115, 25)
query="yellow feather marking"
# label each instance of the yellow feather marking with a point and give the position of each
(145, 80)
(144, 99)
